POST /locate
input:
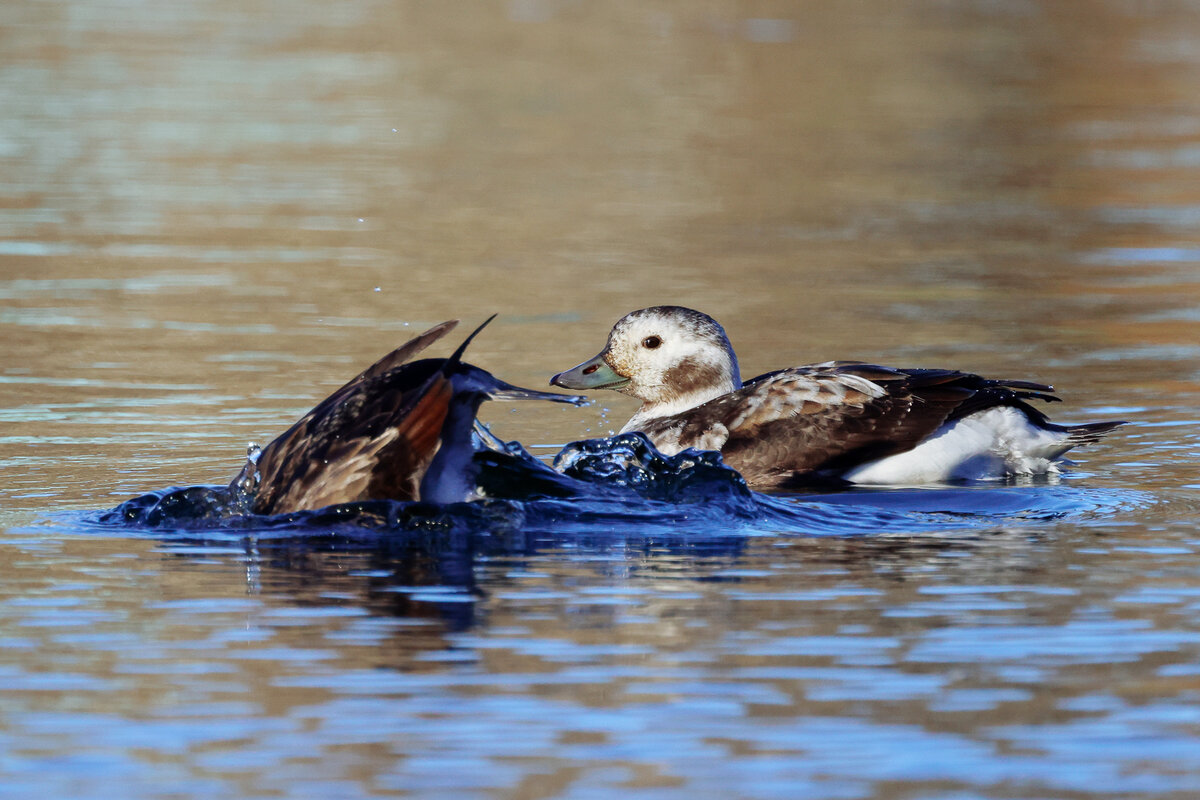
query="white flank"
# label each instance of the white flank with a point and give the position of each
(994, 443)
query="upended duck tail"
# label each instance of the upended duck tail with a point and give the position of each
(1089, 433)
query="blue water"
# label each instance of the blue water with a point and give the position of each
(626, 486)
(652, 624)
(213, 214)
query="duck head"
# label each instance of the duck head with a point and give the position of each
(671, 358)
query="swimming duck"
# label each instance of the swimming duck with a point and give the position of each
(841, 420)
(396, 431)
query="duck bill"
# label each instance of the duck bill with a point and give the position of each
(595, 373)
(506, 391)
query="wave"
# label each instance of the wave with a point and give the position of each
(623, 482)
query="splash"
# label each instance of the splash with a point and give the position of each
(615, 484)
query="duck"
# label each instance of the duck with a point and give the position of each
(398, 430)
(847, 422)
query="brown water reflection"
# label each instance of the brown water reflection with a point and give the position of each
(212, 213)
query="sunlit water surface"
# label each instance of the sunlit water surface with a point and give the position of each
(212, 214)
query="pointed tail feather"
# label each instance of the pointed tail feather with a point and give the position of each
(1029, 386)
(496, 389)
(456, 356)
(1089, 433)
(403, 353)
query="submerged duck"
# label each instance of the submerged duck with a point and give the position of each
(839, 420)
(396, 431)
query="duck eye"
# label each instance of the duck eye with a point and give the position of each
(651, 342)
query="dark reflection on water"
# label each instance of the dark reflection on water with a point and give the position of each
(690, 659)
(433, 550)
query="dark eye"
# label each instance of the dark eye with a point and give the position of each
(651, 342)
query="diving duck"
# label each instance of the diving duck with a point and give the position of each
(396, 431)
(843, 421)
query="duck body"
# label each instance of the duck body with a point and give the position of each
(838, 420)
(399, 430)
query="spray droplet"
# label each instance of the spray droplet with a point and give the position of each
(377, 288)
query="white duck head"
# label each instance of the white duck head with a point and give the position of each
(671, 358)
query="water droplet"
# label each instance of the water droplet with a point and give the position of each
(377, 289)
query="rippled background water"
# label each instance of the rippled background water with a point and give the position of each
(211, 213)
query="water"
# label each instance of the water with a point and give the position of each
(213, 214)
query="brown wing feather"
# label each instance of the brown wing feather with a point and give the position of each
(401, 354)
(381, 435)
(308, 484)
(390, 413)
(418, 438)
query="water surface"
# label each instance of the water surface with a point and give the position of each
(212, 214)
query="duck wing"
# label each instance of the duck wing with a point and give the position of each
(403, 353)
(798, 424)
(390, 413)
(336, 457)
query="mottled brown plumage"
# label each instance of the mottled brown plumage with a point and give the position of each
(799, 424)
(396, 431)
(831, 420)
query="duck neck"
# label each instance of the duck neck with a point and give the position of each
(451, 476)
(692, 381)
(678, 404)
